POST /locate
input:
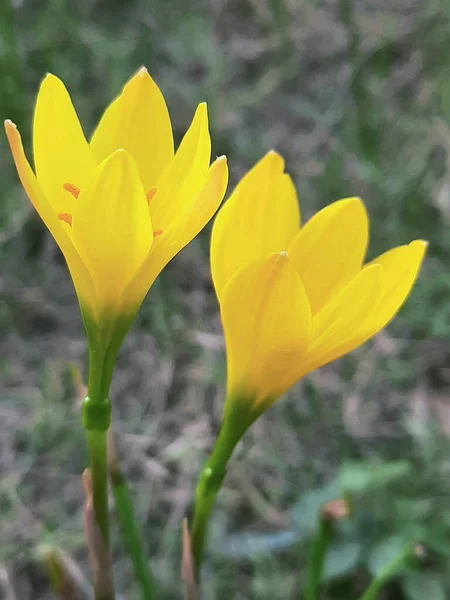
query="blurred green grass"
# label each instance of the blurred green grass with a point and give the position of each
(356, 97)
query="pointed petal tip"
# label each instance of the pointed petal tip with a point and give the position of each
(119, 151)
(201, 115)
(12, 133)
(274, 158)
(355, 206)
(202, 109)
(279, 259)
(352, 201)
(141, 75)
(120, 159)
(274, 154)
(49, 78)
(219, 170)
(419, 244)
(119, 156)
(373, 268)
(417, 250)
(9, 125)
(51, 84)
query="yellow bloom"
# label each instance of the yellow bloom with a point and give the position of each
(293, 299)
(121, 206)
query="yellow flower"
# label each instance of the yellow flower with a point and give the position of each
(121, 206)
(293, 299)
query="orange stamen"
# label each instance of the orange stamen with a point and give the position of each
(73, 189)
(157, 232)
(149, 195)
(66, 218)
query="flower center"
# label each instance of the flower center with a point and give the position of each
(149, 195)
(66, 218)
(75, 191)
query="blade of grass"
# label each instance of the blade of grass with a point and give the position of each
(129, 527)
(388, 572)
(329, 515)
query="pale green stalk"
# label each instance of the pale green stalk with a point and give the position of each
(387, 573)
(96, 415)
(129, 526)
(319, 549)
(238, 417)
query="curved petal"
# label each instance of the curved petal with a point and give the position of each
(61, 152)
(330, 249)
(188, 224)
(261, 216)
(78, 270)
(336, 324)
(400, 266)
(112, 228)
(137, 121)
(399, 269)
(267, 324)
(185, 176)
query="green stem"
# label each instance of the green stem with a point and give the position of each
(387, 573)
(96, 417)
(235, 423)
(210, 481)
(131, 532)
(100, 373)
(317, 557)
(99, 473)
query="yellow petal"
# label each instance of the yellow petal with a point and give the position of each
(400, 269)
(188, 224)
(267, 324)
(330, 249)
(137, 121)
(79, 273)
(186, 175)
(111, 227)
(61, 152)
(261, 216)
(335, 325)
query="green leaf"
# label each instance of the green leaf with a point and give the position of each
(360, 477)
(305, 512)
(423, 586)
(435, 539)
(251, 545)
(384, 553)
(341, 559)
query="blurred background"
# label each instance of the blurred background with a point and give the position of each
(355, 94)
